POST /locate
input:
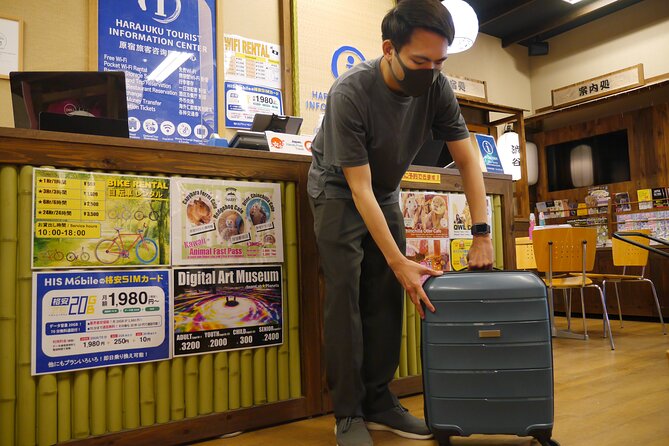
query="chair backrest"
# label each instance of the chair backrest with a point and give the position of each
(567, 248)
(525, 253)
(626, 254)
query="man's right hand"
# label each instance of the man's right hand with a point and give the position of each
(410, 275)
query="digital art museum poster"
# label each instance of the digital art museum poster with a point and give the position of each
(218, 309)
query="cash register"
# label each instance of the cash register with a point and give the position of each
(255, 138)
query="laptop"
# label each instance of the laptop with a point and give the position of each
(89, 125)
(89, 102)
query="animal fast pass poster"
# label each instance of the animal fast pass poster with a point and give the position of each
(226, 222)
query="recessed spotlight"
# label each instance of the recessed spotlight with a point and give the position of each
(572, 1)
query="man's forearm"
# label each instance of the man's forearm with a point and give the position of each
(371, 214)
(472, 181)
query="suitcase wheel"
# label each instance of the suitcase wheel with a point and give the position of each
(548, 442)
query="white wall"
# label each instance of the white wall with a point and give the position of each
(637, 34)
(505, 70)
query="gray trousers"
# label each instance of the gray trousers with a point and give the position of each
(363, 307)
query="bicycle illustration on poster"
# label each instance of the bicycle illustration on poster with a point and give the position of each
(86, 219)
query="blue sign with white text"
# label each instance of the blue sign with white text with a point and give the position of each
(488, 150)
(167, 49)
(88, 319)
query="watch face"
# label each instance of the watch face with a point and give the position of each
(480, 229)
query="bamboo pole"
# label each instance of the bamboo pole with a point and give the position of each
(403, 346)
(80, 404)
(26, 422)
(162, 391)
(246, 377)
(283, 356)
(8, 246)
(191, 385)
(147, 395)
(221, 379)
(271, 362)
(206, 385)
(259, 377)
(291, 261)
(177, 395)
(47, 410)
(412, 361)
(131, 396)
(234, 387)
(499, 233)
(64, 406)
(98, 401)
(115, 398)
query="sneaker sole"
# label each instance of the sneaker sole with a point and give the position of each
(410, 435)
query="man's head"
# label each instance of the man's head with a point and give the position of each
(401, 21)
(416, 35)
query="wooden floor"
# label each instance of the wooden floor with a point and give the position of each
(602, 397)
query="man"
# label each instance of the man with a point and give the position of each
(378, 115)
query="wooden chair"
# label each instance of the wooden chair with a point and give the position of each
(628, 255)
(569, 250)
(525, 254)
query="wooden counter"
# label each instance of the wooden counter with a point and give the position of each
(69, 151)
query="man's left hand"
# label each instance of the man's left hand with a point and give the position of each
(480, 254)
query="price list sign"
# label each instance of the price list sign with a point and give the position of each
(89, 219)
(243, 101)
(84, 320)
(218, 309)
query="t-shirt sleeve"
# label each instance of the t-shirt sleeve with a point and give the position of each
(344, 142)
(448, 125)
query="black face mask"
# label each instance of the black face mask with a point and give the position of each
(416, 82)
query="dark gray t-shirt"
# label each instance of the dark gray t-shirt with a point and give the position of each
(366, 123)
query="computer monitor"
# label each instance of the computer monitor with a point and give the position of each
(94, 100)
(433, 153)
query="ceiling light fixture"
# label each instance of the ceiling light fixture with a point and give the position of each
(466, 25)
(572, 1)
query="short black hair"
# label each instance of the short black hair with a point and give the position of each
(400, 22)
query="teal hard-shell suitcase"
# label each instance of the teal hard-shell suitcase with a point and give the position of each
(487, 356)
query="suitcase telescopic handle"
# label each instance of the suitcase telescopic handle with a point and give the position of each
(625, 237)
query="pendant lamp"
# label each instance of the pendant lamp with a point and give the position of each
(466, 25)
(508, 149)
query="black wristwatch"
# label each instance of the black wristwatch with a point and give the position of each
(480, 229)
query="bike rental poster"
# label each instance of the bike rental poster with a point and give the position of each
(84, 219)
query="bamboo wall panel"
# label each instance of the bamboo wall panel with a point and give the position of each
(77, 405)
(8, 247)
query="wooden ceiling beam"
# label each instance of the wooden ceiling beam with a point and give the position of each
(509, 7)
(577, 13)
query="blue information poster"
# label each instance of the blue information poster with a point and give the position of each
(87, 319)
(488, 150)
(167, 48)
